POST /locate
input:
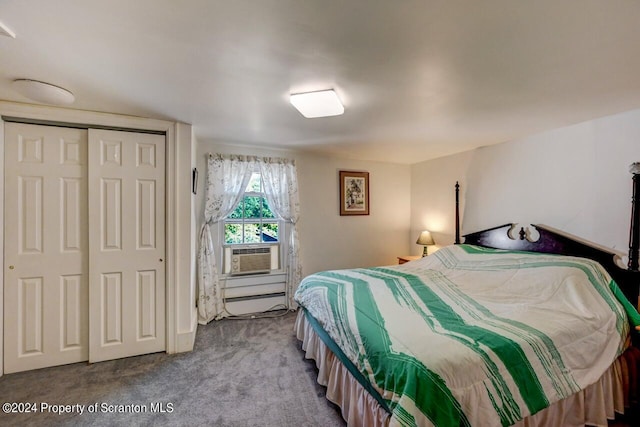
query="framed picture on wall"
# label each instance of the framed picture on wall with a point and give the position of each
(354, 193)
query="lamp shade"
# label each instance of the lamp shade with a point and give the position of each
(425, 239)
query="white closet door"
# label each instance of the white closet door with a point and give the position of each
(46, 247)
(127, 245)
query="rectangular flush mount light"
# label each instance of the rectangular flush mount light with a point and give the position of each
(323, 103)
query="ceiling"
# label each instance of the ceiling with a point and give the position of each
(419, 78)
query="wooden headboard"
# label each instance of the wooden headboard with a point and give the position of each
(556, 242)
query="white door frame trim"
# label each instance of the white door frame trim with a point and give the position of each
(178, 228)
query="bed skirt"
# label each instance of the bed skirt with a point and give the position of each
(593, 406)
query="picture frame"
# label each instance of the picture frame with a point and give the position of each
(354, 193)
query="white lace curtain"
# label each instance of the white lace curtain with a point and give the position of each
(281, 190)
(227, 177)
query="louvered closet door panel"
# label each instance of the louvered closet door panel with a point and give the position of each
(46, 247)
(127, 217)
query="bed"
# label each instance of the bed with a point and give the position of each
(496, 331)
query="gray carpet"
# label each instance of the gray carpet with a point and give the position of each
(241, 373)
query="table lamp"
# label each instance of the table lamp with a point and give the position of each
(426, 240)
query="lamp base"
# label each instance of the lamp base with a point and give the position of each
(425, 252)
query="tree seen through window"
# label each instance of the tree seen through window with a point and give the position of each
(252, 221)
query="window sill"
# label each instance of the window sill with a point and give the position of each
(239, 280)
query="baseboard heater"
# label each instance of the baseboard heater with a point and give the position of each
(251, 297)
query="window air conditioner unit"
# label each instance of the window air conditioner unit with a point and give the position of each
(249, 260)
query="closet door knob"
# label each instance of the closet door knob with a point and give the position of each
(160, 259)
(11, 267)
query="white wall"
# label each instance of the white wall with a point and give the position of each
(574, 178)
(433, 197)
(186, 313)
(328, 240)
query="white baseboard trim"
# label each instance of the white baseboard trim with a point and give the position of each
(186, 340)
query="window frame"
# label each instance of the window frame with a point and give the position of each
(283, 232)
(255, 220)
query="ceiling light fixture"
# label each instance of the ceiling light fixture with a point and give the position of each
(43, 92)
(323, 103)
(6, 31)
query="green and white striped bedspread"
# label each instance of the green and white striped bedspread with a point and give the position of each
(472, 336)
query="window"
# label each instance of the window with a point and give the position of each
(252, 221)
